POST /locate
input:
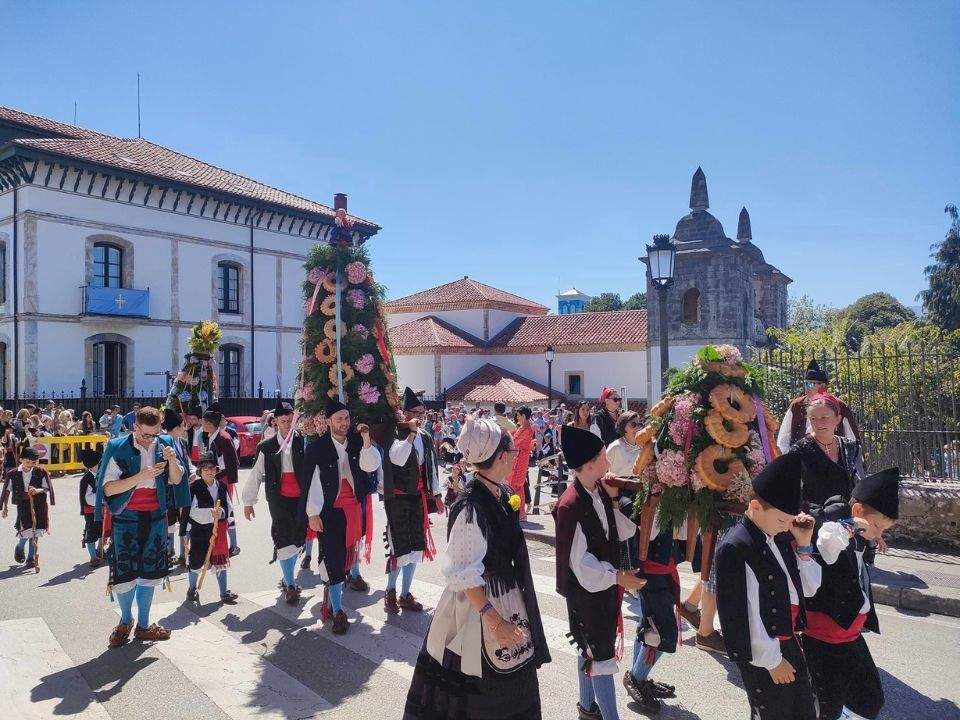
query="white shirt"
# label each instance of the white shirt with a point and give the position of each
(369, 462)
(251, 488)
(204, 516)
(622, 456)
(593, 574)
(147, 460)
(400, 450)
(765, 649)
(832, 540)
(783, 436)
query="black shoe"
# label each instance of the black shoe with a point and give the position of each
(592, 714)
(234, 551)
(18, 554)
(229, 597)
(663, 690)
(642, 693)
(193, 595)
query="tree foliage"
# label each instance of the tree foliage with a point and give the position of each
(604, 301)
(637, 301)
(941, 300)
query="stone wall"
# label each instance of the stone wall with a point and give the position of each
(929, 513)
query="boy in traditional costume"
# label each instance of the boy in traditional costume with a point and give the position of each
(764, 571)
(845, 677)
(590, 528)
(92, 528)
(210, 505)
(409, 490)
(173, 425)
(27, 487)
(216, 440)
(135, 475)
(279, 467)
(339, 473)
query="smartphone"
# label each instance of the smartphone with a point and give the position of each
(162, 464)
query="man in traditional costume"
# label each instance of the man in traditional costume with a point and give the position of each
(795, 425)
(216, 440)
(590, 528)
(136, 473)
(339, 473)
(27, 486)
(279, 466)
(173, 425)
(408, 492)
(92, 529)
(210, 507)
(764, 571)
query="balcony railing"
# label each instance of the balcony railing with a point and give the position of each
(117, 302)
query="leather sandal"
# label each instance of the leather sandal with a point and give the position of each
(390, 602)
(291, 594)
(120, 635)
(408, 602)
(229, 597)
(154, 632)
(340, 623)
(357, 583)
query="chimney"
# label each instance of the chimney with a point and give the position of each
(339, 201)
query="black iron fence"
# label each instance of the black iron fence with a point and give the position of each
(906, 400)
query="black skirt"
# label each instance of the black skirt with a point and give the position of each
(442, 692)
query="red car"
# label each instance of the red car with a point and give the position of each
(249, 431)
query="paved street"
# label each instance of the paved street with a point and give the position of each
(260, 659)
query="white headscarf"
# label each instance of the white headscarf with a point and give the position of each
(478, 439)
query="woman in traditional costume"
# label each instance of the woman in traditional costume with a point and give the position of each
(486, 641)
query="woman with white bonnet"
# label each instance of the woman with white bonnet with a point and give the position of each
(486, 641)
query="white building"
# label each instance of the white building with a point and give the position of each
(485, 345)
(111, 249)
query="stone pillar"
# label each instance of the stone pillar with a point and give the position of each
(437, 379)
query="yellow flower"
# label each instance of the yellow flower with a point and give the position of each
(515, 502)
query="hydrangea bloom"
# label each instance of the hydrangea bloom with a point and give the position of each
(672, 469)
(368, 393)
(364, 363)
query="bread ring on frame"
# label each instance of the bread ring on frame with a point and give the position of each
(332, 393)
(347, 374)
(329, 331)
(325, 352)
(645, 457)
(724, 369)
(330, 283)
(712, 476)
(660, 409)
(329, 305)
(717, 427)
(732, 403)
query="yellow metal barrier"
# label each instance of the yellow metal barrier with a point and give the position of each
(67, 451)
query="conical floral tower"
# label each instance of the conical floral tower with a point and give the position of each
(195, 388)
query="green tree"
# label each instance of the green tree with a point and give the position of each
(941, 300)
(878, 310)
(604, 301)
(804, 315)
(637, 301)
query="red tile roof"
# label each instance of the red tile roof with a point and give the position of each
(493, 384)
(465, 294)
(147, 158)
(431, 332)
(613, 328)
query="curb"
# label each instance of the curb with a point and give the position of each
(912, 599)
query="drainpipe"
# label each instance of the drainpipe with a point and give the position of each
(253, 296)
(16, 293)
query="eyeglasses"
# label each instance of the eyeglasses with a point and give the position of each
(149, 436)
(616, 400)
(633, 423)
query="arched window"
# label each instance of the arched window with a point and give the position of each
(691, 307)
(107, 265)
(230, 360)
(228, 288)
(109, 368)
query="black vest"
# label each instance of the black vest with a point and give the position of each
(200, 491)
(406, 477)
(273, 464)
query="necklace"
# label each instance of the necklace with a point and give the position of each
(494, 490)
(825, 445)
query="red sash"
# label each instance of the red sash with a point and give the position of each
(143, 500)
(88, 509)
(794, 614)
(194, 453)
(220, 556)
(347, 501)
(824, 628)
(289, 486)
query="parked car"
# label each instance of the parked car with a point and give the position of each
(249, 431)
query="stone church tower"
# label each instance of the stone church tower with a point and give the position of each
(723, 290)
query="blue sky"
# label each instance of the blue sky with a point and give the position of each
(538, 145)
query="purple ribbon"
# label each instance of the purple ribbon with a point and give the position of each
(762, 427)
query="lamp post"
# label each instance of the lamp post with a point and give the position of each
(660, 257)
(549, 355)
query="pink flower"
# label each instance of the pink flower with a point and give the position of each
(684, 406)
(756, 455)
(356, 273)
(317, 275)
(364, 364)
(357, 298)
(305, 392)
(731, 355)
(361, 330)
(368, 393)
(181, 377)
(695, 482)
(672, 468)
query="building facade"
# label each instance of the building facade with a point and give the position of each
(111, 249)
(571, 301)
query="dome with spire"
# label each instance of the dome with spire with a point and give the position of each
(745, 237)
(698, 228)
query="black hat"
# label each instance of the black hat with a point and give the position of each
(410, 400)
(283, 408)
(171, 419)
(334, 406)
(815, 373)
(778, 484)
(579, 446)
(90, 457)
(207, 458)
(213, 414)
(30, 453)
(881, 491)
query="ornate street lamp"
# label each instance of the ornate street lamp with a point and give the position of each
(549, 355)
(660, 258)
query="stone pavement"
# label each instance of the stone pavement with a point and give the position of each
(908, 577)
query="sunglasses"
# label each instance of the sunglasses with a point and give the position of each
(633, 423)
(616, 400)
(150, 436)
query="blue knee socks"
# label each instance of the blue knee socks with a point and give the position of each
(392, 579)
(407, 579)
(144, 599)
(355, 570)
(597, 689)
(192, 579)
(30, 548)
(125, 601)
(222, 581)
(641, 667)
(335, 593)
(232, 534)
(286, 566)
(92, 550)
(308, 549)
